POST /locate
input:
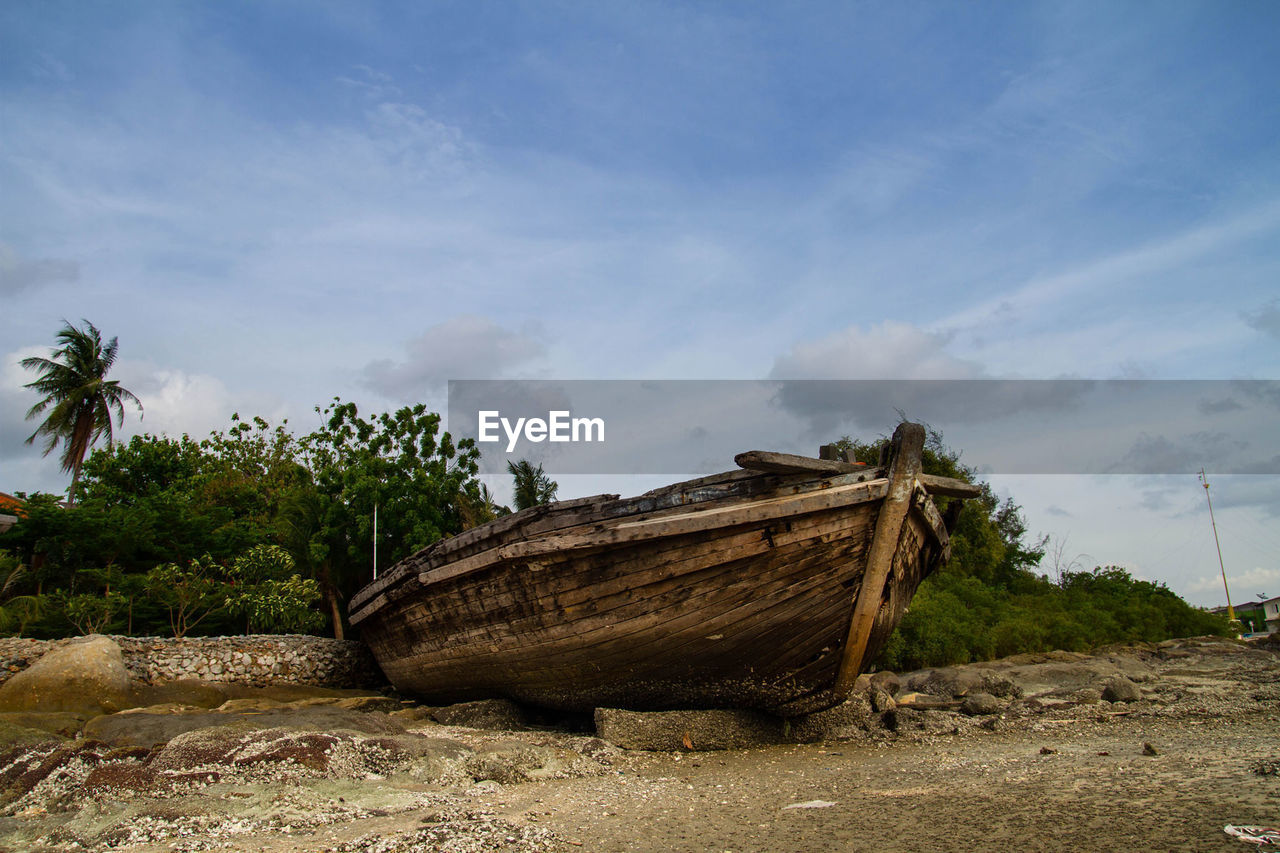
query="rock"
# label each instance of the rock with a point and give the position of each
(946, 682)
(1148, 749)
(25, 768)
(926, 702)
(199, 694)
(491, 714)
(1270, 641)
(386, 704)
(511, 761)
(84, 677)
(152, 727)
(1266, 767)
(958, 682)
(217, 753)
(415, 713)
(261, 703)
(900, 718)
(999, 686)
(431, 759)
(1086, 696)
(287, 693)
(852, 719)
(1121, 689)
(15, 735)
(1061, 677)
(697, 730)
(980, 705)
(886, 681)
(881, 700)
(61, 723)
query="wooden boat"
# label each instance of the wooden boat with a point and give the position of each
(770, 587)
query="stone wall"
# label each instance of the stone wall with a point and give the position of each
(256, 659)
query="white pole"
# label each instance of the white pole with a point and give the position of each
(1231, 613)
(375, 540)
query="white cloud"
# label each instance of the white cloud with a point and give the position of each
(464, 347)
(1245, 586)
(175, 402)
(886, 351)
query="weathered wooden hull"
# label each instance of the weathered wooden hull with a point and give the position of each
(737, 591)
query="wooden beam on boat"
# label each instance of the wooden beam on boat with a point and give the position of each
(789, 463)
(948, 487)
(904, 470)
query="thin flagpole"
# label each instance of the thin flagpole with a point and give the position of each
(1231, 613)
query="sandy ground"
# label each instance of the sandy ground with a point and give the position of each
(1169, 772)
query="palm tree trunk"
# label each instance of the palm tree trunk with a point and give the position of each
(75, 481)
(338, 632)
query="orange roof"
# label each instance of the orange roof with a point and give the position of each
(9, 505)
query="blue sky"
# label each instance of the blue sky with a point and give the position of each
(274, 203)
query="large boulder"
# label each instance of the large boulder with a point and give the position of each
(85, 676)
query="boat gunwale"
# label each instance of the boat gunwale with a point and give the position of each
(609, 508)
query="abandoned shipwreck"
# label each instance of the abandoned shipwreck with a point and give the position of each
(768, 587)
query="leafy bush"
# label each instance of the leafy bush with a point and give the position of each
(957, 619)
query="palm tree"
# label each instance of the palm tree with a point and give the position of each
(78, 396)
(532, 486)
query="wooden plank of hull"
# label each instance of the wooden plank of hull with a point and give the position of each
(597, 580)
(625, 634)
(602, 575)
(529, 523)
(663, 526)
(564, 514)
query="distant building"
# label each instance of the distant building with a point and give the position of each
(10, 511)
(1271, 613)
(1257, 617)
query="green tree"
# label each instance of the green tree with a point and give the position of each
(266, 590)
(478, 506)
(532, 486)
(90, 612)
(16, 611)
(189, 593)
(78, 397)
(399, 464)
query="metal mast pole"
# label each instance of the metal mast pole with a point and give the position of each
(375, 541)
(1231, 613)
